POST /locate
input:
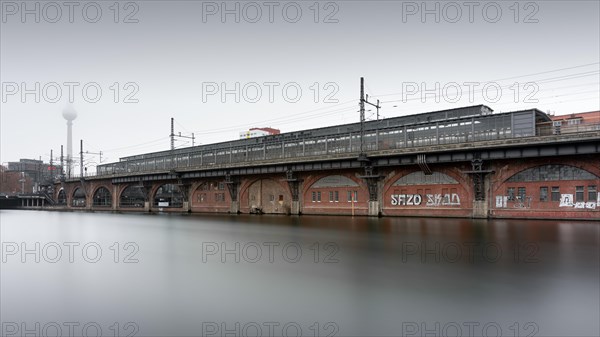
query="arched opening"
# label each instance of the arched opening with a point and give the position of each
(419, 190)
(102, 197)
(78, 198)
(132, 196)
(211, 194)
(168, 195)
(268, 196)
(334, 189)
(549, 186)
(62, 197)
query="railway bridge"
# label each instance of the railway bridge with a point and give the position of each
(465, 162)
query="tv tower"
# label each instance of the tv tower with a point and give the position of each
(69, 114)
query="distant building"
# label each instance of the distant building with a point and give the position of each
(571, 123)
(259, 132)
(13, 182)
(592, 117)
(36, 171)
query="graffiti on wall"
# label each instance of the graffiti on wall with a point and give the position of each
(501, 201)
(517, 202)
(430, 200)
(566, 200)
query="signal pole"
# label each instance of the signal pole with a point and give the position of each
(364, 100)
(81, 158)
(62, 166)
(172, 133)
(362, 115)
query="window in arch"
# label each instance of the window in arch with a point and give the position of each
(168, 195)
(132, 196)
(78, 198)
(552, 173)
(334, 181)
(420, 178)
(62, 197)
(102, 197)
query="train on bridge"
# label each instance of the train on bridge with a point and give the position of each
(470, 124)
(464, 162)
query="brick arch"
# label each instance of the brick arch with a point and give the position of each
(312, 179)
(439, 201)
(340, 205)
(158, 185)
(74, 190)
(210, 203)
(121, 189)
(66, 192)
(510, 169)
(246, 183)
(97, 187)
(268, 206)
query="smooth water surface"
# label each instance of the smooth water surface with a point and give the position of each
(174, 275)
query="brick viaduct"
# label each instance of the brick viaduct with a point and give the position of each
(553, 178)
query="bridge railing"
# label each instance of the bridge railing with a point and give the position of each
(550, 129)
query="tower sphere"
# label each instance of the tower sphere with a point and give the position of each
(69, 112)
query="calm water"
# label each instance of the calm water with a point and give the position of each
(159, 275)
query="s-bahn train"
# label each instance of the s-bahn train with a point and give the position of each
(460, 125)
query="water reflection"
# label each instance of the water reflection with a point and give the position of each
(277, 275)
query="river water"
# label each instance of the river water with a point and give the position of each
(66, 273)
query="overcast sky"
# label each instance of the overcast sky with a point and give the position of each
(176, 58)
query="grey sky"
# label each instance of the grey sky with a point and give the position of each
(178, 49)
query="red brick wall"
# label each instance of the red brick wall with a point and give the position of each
(211, 196)
(532, 206)
(271, 195)
(342, 206)
(430, 199)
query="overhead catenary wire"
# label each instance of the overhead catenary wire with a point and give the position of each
(310, 115)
